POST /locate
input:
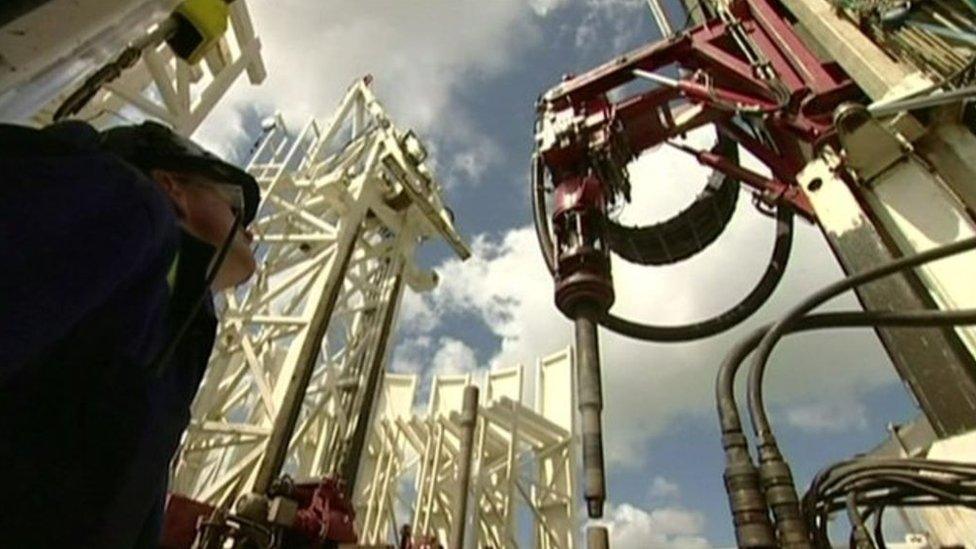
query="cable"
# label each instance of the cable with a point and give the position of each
(159, 365)
(728, 412)
(774, 473)
(760, 420)
(540, 218)
(859, 534)
(874, 483)
(748, 505)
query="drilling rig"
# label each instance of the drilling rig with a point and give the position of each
(859, 113)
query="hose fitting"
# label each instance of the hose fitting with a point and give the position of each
(779, 489)
(750, 515)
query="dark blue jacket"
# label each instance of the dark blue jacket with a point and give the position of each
(87, 427)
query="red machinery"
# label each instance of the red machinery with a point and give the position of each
(323, 518)
(746, 73)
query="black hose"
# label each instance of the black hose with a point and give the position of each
(721, 322)
(748, 506)
(540, 218)
(684, 332)
(877, 483)
(728, 411)
(757, 411)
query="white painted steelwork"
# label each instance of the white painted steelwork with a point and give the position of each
(344, 206)
(50, 51)
(524, 460)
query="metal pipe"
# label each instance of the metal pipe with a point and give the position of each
(661, 18)
(590, 407)
(469, 416)
(349, 467)
(291, 405)
(597, 537)
(881, 109)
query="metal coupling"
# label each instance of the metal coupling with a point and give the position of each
(597, 537)
(779, 489)
(582, 251)
(750, 515)
(862, 539)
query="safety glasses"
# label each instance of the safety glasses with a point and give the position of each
(231, 194)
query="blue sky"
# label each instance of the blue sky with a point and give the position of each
(466, 76)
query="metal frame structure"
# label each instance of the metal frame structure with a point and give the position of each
(523, 460)
(49, 51)
(828, 101)
(299, 352)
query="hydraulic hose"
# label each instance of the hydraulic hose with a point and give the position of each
(757, 410)
(874, 483)
(748, 505)
(775, 476)
(728, 413)
(685, 332)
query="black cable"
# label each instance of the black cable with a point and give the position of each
(748, 506)
(746, 499)
(922, 490)
(878, 482)
(540, 218)
(728, 412)
(872, 468)
(879, 538)
(775, 477)
(859, 533)
(760, 420)
(158, 366)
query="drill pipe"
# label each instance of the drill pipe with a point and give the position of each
(597, 537)
(590, 407)
(469, 416)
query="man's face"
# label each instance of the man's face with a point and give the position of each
(206, 210)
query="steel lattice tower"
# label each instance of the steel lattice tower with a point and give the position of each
(344, 206)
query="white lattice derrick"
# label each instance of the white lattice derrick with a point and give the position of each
(509, 435)
(332, 256)
(63, 42)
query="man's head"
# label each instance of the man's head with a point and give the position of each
(207, 193)
(207, 209)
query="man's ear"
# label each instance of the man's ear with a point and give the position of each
(170, 183)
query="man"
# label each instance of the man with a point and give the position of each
(107, 244)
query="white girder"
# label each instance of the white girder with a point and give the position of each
(524, 460)
(49, 52)
(343, 208)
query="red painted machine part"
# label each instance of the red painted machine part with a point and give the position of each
(324, 515)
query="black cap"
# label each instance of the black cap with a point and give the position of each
(151, 145)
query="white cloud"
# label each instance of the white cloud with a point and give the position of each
(409, 356)
(649, 386)
(416, 315)
(421, 57)
(631, 527)
(837, 414)
(617, 19)
(454, 357)
(662, 488)
(429, 357)
(545, 7)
